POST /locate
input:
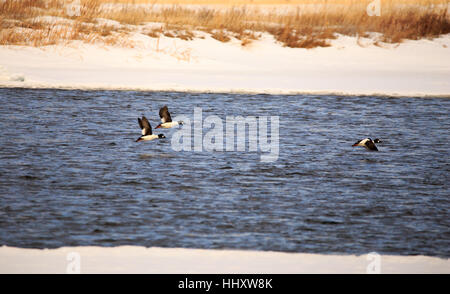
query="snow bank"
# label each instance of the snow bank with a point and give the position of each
(134, 259)
(349, 66)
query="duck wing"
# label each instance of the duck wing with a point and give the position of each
(371, 145)
(165, 115)
(145, 126)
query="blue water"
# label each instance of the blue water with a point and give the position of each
(71, 174)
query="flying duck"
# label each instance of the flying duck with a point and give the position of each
(368, 143)
(166, 120)
(147, 131)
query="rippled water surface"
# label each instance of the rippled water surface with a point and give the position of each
(72, 174)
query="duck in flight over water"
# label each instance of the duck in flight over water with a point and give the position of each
(166, 120)
(147, 131)
(368, 144)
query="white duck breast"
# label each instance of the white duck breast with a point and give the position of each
(168, 125)
(148, 137)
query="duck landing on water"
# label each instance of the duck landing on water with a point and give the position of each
(147, 131)
(368, 144)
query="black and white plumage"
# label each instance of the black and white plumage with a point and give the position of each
(147, 131)
(164, 114)
(166, 119)
(367, 143)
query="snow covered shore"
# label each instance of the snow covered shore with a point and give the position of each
(350, 66)
(135, 259)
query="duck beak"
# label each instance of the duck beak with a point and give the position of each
(356, 144)
(139, 139)
(158, 126)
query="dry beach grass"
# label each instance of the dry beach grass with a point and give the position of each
(299, 24)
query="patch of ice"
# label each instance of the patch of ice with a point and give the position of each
(17, 78)
(6, 76)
